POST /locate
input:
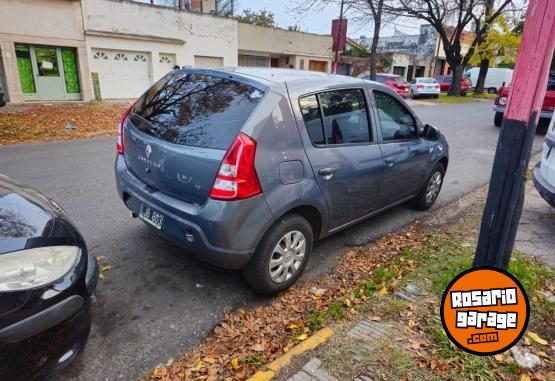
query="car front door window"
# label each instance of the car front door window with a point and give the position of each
(395, 120)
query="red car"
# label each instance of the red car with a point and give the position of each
(547, 108)
(446, 80)
(393, 81)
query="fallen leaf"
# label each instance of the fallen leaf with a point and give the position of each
(101, 276)
(105, 268)
(235, 363)
(376, 318)
(524, 377)
(302, 337)
(534, 336)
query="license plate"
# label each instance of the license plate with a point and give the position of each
(151, 216)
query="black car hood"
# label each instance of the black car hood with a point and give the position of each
(26, 216)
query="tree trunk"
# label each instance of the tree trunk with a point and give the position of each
(479, 86)
(455, 89)
(374, 47)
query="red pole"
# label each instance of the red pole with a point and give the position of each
(506, 191)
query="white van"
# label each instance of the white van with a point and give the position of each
(494, 79)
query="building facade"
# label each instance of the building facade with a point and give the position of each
(128, 45)
(416, 55)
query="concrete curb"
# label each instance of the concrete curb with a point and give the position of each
(272, 368)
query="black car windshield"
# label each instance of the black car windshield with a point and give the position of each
(195, 109)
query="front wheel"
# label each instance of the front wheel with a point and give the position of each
(498, 119)
(430, 190)
(281, 256)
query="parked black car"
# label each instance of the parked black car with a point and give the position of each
(46, 282)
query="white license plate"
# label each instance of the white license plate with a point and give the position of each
(151, 216)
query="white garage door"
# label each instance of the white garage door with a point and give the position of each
(122, 74)
(167, 62)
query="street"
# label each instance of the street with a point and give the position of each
(157, 301)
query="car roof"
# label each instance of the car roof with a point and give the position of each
(278, 75)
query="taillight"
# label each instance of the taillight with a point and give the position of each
(121, 123)
(236, 178)
(420, 86)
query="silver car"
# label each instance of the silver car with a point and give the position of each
(424, 86)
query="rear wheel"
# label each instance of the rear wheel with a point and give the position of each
(436, 96)
(463, 94)
(498, 119)
(281, 256)
(430, 190)
(492, 90)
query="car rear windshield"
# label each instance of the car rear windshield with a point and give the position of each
(426, 80)
(195, 109)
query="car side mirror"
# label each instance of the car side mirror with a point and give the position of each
(429, 133)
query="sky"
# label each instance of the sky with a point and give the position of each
(316, 21)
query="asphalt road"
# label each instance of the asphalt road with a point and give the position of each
(158, 301)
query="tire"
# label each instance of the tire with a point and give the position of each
(463, 94)
(436, 96)
(492, 90)
(412, 96)
(422, 201)
(2, 103)
(498, 119)
(258, 272)
(543, 126)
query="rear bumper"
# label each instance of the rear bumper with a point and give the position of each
(223, 233)
(543, 113)
(426, 91)
(546, 190)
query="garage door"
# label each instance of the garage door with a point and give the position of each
(253, 61)
(321, 66)
(122, 74)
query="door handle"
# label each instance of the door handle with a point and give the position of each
(327, 173)
(389, 162)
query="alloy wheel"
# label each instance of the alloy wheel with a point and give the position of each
(434, 187)
(287, 257)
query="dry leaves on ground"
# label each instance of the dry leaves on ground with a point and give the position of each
(243, 341)
(45, 122)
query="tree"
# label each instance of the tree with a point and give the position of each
(262, 17)
(460, 13)
(501, 43)
(363, 11)
(357, 52)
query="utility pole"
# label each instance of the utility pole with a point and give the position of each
(506, 190)
(338, 37)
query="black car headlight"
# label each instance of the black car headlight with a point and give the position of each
(27, 269)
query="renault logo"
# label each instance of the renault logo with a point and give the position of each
(148, 151)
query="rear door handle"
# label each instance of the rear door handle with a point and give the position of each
(327, 173)
(389, 162)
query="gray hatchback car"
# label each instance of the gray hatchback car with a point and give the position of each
(247, 167)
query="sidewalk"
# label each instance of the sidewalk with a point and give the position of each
(400, 335)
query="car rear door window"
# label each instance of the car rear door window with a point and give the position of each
(195, 109)
(310, 108)
(396, 122)
(344, 119)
